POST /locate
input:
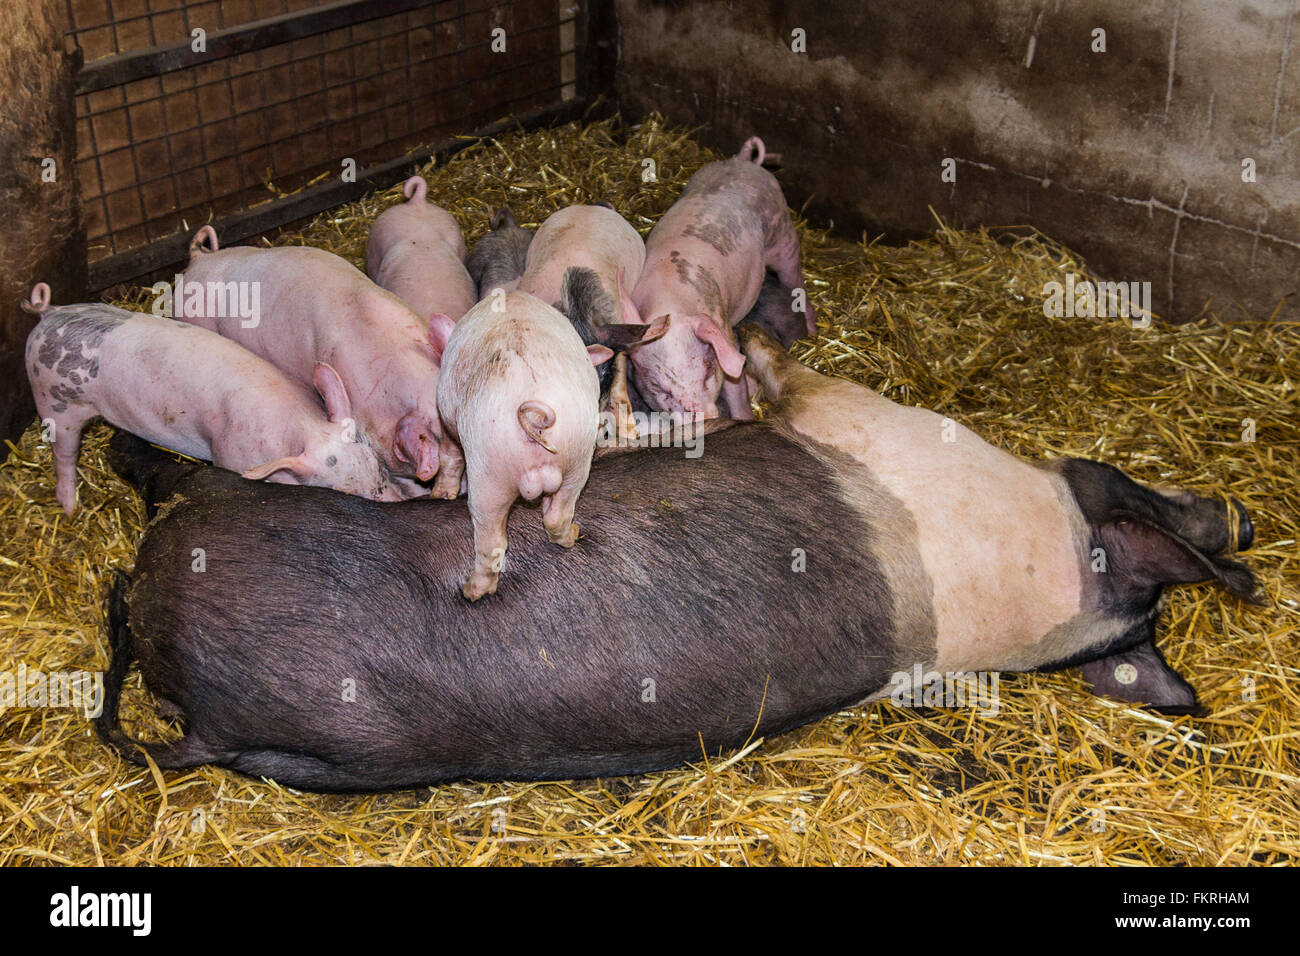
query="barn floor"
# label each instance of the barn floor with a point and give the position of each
(953, 323)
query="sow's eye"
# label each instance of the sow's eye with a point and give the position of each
(332, 460)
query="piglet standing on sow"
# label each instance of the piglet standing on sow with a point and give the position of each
(500, 257)
(518, 401)
(316, 307)
(187, 389)
(416, 252)
(705, 262)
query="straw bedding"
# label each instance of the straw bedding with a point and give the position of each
(954, 323)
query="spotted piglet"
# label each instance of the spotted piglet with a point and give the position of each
(705, 263)
(517, 396)
(190, 390)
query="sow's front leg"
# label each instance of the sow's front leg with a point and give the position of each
(782, 379)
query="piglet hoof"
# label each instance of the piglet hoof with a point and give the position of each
(627, 431)
(479, 585)
(445, 489)
(568, 538)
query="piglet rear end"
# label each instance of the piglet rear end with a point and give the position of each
(518, 399)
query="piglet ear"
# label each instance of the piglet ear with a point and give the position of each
(655, 330)
(1141, 675)
(622, 337)
(729, 357)
(600, 354)
(440, 329)
(630, 314)
(330, 386)
(296, 464)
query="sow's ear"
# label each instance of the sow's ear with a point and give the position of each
(1154, 555)
(1141, 675)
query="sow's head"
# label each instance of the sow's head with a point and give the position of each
(1140, 541)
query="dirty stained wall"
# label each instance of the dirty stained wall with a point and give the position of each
(1132, 155)
(41, 235)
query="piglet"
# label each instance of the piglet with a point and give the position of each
(190, 390)
(500, 257)
(316, 307)
(416, 252)
(705, 261)
(604, 251)
(517, 398)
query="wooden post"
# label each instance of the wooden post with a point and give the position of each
(42, 235)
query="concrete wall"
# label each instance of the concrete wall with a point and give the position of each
(1132, 156)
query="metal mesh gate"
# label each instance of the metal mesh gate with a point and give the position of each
(253, 127)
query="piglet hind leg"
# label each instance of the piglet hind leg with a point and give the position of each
(557, 516)
(451, 468)
(67, 447)
(782, 257)
(489, 507)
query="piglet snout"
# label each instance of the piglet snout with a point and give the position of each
(416, 445)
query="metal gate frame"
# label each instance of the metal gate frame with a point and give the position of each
(595, 51)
